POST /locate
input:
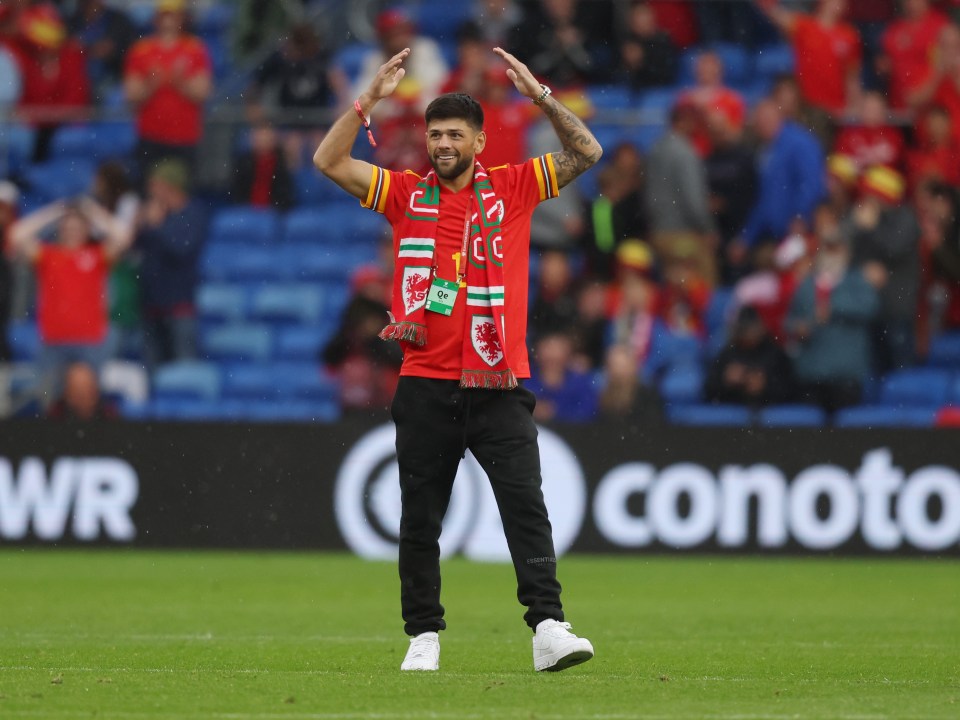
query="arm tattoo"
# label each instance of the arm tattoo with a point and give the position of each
(580, 148)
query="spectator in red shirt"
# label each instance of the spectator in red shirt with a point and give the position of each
(908, 50)
(828, 54)
(943, 84)
(506, 117)
(9, 199)
(678, 20)
(873, 140)
(55, 85)
(709, 95)
(936, 155)
(72, 277)
(167, 78)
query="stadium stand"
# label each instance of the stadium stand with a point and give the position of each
(273, 284)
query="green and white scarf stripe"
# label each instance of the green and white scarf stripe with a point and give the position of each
(413, 247)
(485, 296)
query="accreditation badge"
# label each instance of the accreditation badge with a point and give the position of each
(442, 296)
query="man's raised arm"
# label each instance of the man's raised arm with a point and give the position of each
(580, 148)
(333, 157)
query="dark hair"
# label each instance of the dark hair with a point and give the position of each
(458, 106)
(115, 181)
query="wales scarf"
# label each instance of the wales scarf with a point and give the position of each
(484, 362)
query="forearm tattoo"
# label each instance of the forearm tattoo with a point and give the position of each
(580, 148)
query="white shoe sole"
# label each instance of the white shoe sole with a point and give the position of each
(560, 660)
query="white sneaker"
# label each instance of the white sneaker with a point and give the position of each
(556, 648)
(423, 653)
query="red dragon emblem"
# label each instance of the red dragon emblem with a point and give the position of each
(415, 288)
(486, 341)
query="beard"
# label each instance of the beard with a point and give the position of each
(454, 172)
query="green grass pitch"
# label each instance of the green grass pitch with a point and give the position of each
(150, 635)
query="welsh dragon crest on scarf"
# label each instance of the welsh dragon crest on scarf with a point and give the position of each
(484, 362)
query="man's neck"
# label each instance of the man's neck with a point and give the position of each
(458, 183)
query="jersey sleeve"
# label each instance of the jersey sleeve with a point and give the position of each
(528, 183)
(387, 191)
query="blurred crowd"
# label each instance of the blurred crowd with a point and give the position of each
(781, 239)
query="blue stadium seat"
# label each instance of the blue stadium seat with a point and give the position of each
(610, 97)
(682, 384)
(307, 381)
(866, 416)
(304, 343)
(945, 351)
(94, 142)
(668, 349)
(24, 339)
(792, 416)
(916, 387)
(349, 59)
(246, 264)
(657, 102)
(187, 379)
(221, 302)
(710, 415)
(312, 188)
(295, 411)
(719, 306)
(336, 224)
(440, 19)
(330, 264)
(245, 226)
(287, 303)
(251, 381)
(18, 144)
(59, 179)
(190, 409)
(246, 342)
(774, 60)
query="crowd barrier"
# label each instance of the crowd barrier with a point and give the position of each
(609, 489)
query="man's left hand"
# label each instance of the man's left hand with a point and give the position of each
(520, 75)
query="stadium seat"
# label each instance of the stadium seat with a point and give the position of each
(718, 309)
(189, 409)
(187, 379)
(866, 416)
(657, 103)
(287, 303)
(245, 226)
(668, 349)
(349, 59)
(294, 411)
(945, 351)
(59, 179)
(247, 264)
(440, 19)
(16, 148)
(251, 381)
(610, 97)
(247, 342)
(334, 263)
(304, 343)
(24, 339)
(94, 142)
(916, 387)
(336, 224)
(792, 416)
(307, 381)
(682, 384)
(710, 415)
(221, 302)
(774, 60)
(312, 188)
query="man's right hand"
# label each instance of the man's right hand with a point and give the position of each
(385, 81)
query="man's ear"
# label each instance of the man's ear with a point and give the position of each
(481, 142)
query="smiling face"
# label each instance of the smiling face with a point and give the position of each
(452, 145)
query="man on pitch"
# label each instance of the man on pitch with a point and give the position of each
(462, 240)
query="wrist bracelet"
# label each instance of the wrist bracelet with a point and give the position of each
(542, 96)
(365, 120)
